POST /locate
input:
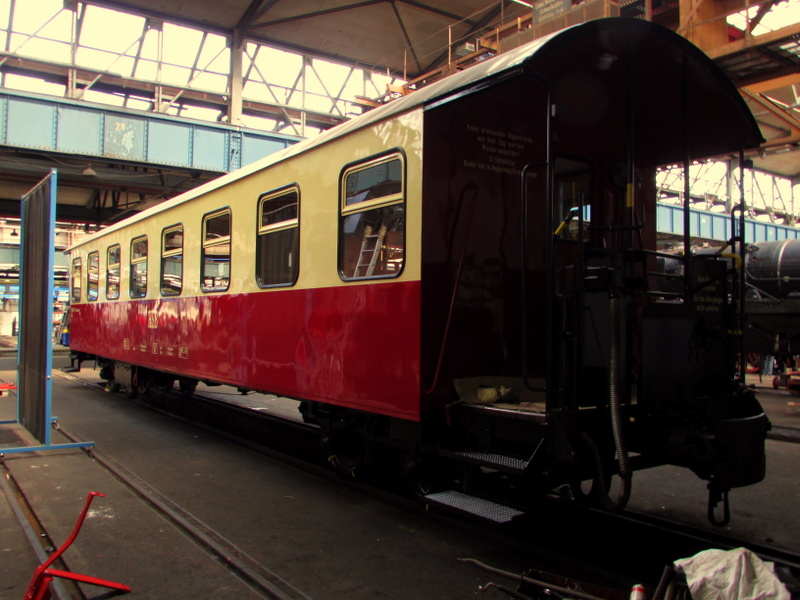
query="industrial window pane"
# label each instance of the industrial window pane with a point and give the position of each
(216, 251)
(172, 261)
(378, 182)
(139, 248)
(217, 225)
(76, 280)
(138, 282)
(92, 276)
(112, 274)
(278, 244)
(372, 219)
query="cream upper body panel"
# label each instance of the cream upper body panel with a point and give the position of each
(316, 173)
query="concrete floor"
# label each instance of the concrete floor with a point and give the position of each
(765, 513)
(325, 539)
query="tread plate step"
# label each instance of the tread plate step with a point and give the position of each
(487, 459)
(486, 509)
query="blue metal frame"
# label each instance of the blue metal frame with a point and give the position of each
(83, 129)
(716, 226)
(47, 444)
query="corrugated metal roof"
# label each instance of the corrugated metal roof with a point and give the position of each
(587, 35)
(410, 38)
(404, 36)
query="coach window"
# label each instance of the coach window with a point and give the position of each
(217, 251)
(372, 219)
(76, 280)
(92, 276)
(172, 261)
(138, 282)
(278, 243)
(112, 273)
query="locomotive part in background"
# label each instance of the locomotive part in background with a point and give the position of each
(773, 298)
(773, 268)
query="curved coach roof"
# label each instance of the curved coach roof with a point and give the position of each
(659, 60)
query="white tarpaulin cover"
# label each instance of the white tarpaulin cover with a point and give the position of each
(736, 574)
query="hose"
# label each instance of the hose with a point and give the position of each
(570, 593)
(667, 578)
(616, 415)
(505, 589)
(599, 490)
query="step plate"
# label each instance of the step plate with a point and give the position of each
(486, 509)
(488, 459)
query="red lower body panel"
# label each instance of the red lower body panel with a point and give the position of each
(354, 346)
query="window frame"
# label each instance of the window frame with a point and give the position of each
(135, 261)
(93, 256)
(110, 267)
(171, 253)
(221, 241)
(393, 199)
(76, 277)
(262, 231)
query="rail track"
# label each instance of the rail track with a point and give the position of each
(604, 552)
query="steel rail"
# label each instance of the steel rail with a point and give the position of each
(260, 578)
(682, 539)
(767, 553)
(34, 539)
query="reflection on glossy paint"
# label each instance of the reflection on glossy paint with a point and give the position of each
(343, 343)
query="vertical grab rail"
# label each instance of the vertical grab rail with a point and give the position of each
(687, 200)
(550, 108)
(742, 271)
(524, 274)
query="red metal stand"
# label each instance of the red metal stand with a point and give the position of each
(39, 588)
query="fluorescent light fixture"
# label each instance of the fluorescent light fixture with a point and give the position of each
(528, 4)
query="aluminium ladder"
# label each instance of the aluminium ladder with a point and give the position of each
(371, 246)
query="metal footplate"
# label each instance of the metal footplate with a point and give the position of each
(500, 462)
(485, 509)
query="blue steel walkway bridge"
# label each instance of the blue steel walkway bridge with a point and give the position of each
(113, 162)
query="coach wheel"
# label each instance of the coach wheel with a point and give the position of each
(345, 466)
(349, 462)
(143, 383)
(165, 385)
(112, 386)
(346, 454)
(188, 386)
(417, 476)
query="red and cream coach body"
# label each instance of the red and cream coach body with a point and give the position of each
(312, 335)
(473, 264)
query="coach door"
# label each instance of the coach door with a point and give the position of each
(566, 341)
(570, 236)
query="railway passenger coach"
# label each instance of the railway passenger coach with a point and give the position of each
(466, 279)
